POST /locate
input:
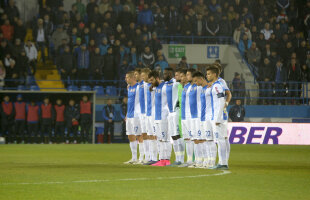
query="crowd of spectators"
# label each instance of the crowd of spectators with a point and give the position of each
(103, 39)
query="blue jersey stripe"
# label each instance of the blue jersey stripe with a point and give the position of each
(142, 97)
(193, 101)
(158, 101)
(184, 100)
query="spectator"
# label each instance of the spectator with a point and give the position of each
(22, 65)
(17, 48)
(199, 26)
(200, 7)
(159, 22)
(32, 55)
(155, 43)
(254, 55)
(186, 26)
(225, 26)
(2, 74)
(104, 46)
(90, 8)
(110, 67)
(131, 5)
(103, 6)
(19, 30)
(242, 30)
(125, 17)
(283, 4)
(117, 7)
(266, 51)
(145, 17)
(72, 115)
(147, 58)
(212, 28)
(40, 36)
(92, 46)
(59, 16)
(280, 80)
(183, 63)
(161, 63)
(247, 15)
(244, 45)
(294, 75)
(267, 31)
(94, 16)
(237, 112)
(7, 30)
(83, 63)
(265, 76)
(58, 36)
(236, 82)
(109, 119)
(305, 73)
(173, 21)
(96, 64)
(302, 51)
(67, 66)
(133, 58)
(12, 11)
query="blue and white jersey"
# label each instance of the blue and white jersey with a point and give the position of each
(217, 102)
(172, 94)
(142, 96)
(161, 107)
(185, 110)
(208, 113)
(203, 103)
(194, 101)
(224, 84)
(150, 101)
(133, 105)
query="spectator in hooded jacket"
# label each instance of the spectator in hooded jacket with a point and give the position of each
(244, 45)
(145, 17)
(242, 30)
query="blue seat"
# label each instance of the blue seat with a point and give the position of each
(34, 88)
(73, 88)
(21, 87)
(99, 90)
(85, 88)
(111, 91)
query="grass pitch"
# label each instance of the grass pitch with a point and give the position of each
(96, 172)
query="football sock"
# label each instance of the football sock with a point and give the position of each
(227, 149)
(176, 150)
(146, 150)
(133, 148)
(141, 151)
(189, 150)
(222, 151)
(181, 145)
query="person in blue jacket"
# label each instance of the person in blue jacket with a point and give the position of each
(145, 16)
(109, 119)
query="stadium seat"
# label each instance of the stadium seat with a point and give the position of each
(21, 87)
(34, 88)
(73, 88)
(85, 88)
(111, 91)
(99, 90)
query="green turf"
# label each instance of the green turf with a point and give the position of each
(257, 172)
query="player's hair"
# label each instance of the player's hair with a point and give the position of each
(169, 69)
(154, 74)
(146, 70)
(219, 66)
(214, 69)
(198, 74)
(131, 73)
(178, 70)
(138, 70)
(191, 70)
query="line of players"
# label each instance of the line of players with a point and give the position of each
(34, 123)
(188, 108)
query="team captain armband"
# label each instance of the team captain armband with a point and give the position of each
(219, 95)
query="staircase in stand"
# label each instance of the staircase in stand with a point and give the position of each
(48, 78)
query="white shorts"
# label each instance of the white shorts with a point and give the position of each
(142, 118)
(173, 124)
(150, 126)
(161, 130)
(206, 129)
(195, 129)
(187, 134)
(220, 131)
(133, 126)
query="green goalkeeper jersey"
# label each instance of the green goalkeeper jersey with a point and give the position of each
(180, 89)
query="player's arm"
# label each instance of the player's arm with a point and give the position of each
(218, 110)
(228, 98)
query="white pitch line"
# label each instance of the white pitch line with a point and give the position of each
(223, 172)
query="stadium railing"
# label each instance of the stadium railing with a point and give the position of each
(179, 39)
(272, 92)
